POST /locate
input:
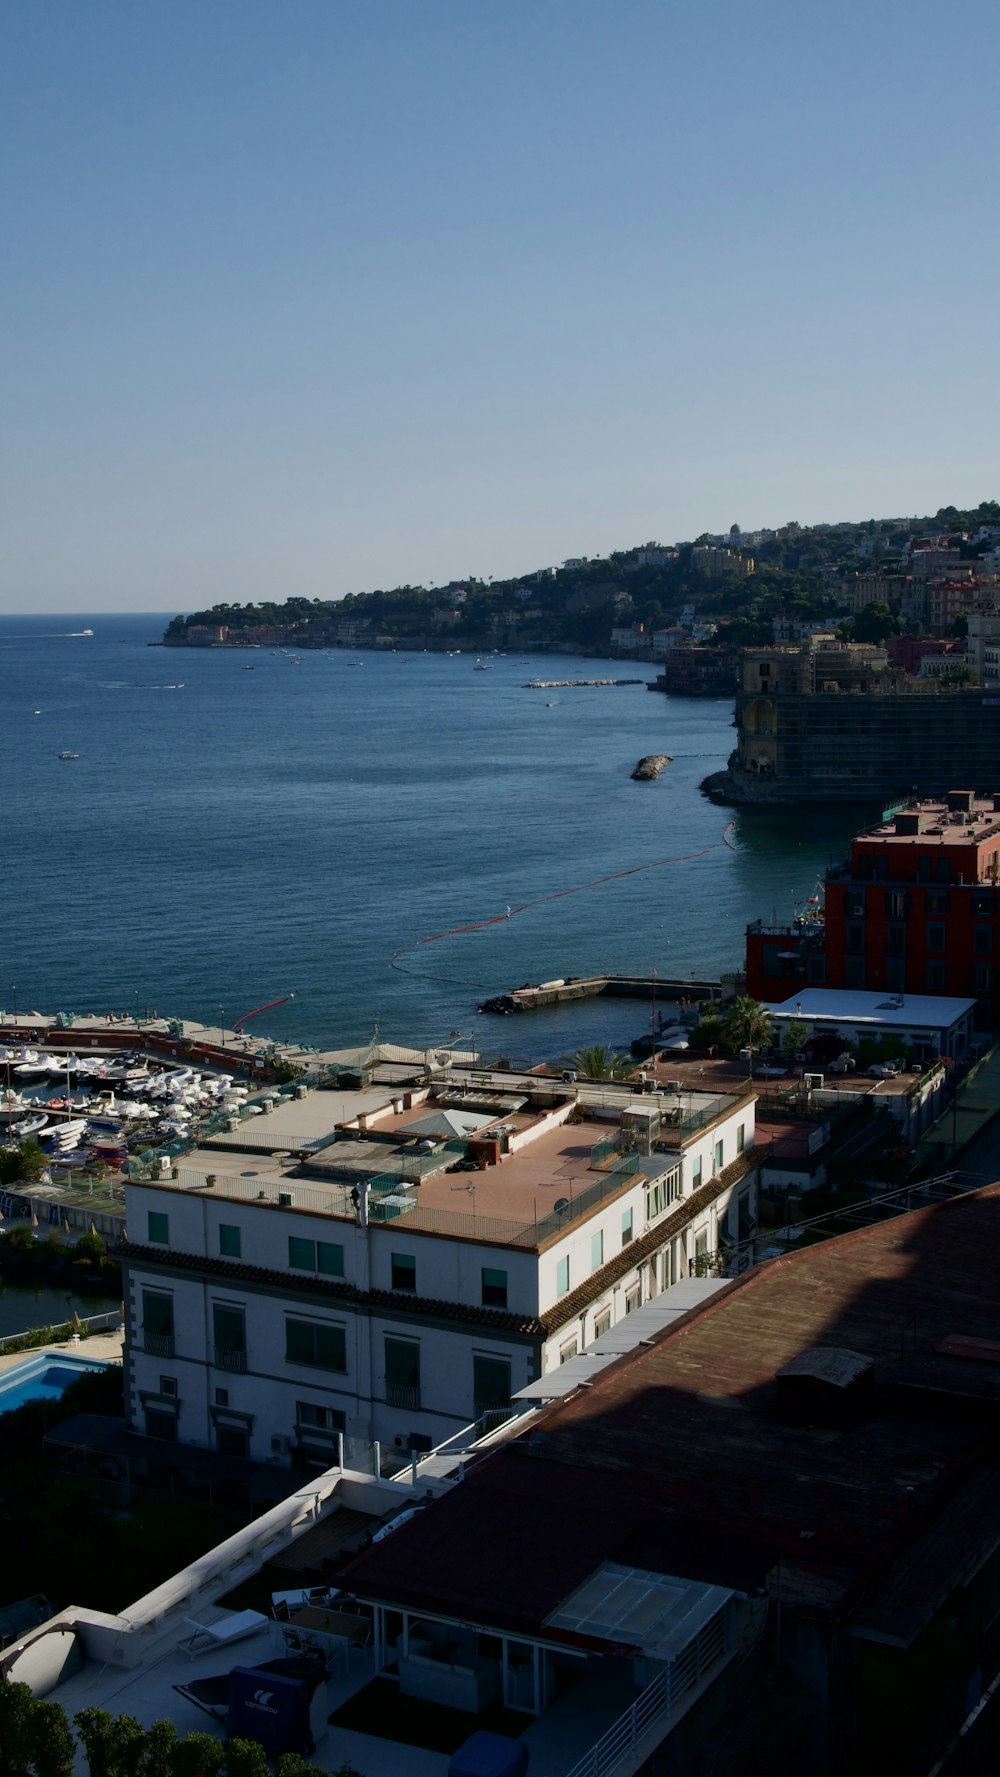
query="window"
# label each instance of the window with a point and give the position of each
(897, 904)
(741, 1138)
(701, 1253)
(222, 1397)
(982, 977)
(316, 1344)
(562, 1276)
(854, 904)
(936, 904)
(323, 1419)
(157, 1323)
(854, 971)
(745, 1219)
(229, 1240)
(168, 1386)
(896, 940)
(161, 1423)
(982, 940)
(935, 977)
(697, 1167)
(660, 1192)
(490, 1384)
(855, 939)
(494, 1288)
(895, 974)
(315, 1255)
(719, 1155)
(984, 904)
(626, 1226)
(602, 1323)
(229, 1332)
(402, 1373)
(404, 1271)
(232, 1440)
(633, 1297)
(935, 939)
(567, 1351)
(943, 869)
(597, 1250)
(159, 1228)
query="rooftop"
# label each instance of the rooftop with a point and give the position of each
(666, 1446)
(961, 818)
(848, 1005)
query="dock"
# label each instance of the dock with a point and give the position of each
(592, 987)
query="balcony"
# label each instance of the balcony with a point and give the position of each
(232, 1358)
(158, 1344)
(403, 1394)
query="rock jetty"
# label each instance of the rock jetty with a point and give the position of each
(650, 767)
(564, 684)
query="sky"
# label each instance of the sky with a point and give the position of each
(313, 298)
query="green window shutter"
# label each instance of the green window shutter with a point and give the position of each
(331, 1348)
(491, 1381)
(562, 1276)
(159, 1228)
(597, 1250)
(402, 1362)
(330, 1259)
(157, 1313)
(301, 1254)
(494, 1290)
(404, 1271)
(230, 1328)
(299, 1345)
(229, 1240)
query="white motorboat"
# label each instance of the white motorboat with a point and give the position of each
(70, 1159)
(33, 1067)
(29, 1126)
(72, 1127)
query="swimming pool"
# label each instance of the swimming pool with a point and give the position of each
(43, 1376)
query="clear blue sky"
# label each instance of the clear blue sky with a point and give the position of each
(312, 297)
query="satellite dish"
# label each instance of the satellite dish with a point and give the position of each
(560, 1204)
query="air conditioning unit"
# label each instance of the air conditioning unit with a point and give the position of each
(673, 1085)
(280, 1444)
(812, 1082)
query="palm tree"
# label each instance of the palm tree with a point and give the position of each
(748, 1026)
(599, 1063)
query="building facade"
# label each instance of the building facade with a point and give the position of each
(267, 1317)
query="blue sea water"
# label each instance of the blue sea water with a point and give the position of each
(227, 837)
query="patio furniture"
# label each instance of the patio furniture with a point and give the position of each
(206, 1636)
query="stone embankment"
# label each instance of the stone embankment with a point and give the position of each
(565, 684)
(650, 767)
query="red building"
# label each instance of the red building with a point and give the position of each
(915, 909)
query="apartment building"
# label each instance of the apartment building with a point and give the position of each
(392, 1265)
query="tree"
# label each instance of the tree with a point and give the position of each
(246, 1758)
(748, 1025)
(796, 1036)
(16, 1720)
(53, 1745)
(957, 675)
(875, 623)
(599, 1063)
(115, 1745)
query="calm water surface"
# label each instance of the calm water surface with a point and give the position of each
(303, 827)
(22, 1309)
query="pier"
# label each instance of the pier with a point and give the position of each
(592, 987)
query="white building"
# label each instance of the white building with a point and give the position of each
(931, 1024)
(325, 1274)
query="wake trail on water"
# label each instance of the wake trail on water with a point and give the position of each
(496, 919)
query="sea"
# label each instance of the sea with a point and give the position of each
(376, 840)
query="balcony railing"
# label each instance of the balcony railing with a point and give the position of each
(232, 1358)
(403, 1394)
(158, 1344)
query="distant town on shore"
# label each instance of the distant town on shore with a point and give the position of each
(689, 605)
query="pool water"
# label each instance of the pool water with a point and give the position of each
(42, 1378)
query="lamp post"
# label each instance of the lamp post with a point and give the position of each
(222, 1015)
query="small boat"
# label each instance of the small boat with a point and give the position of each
(29, 1126)
(248, 669)
(68, 755)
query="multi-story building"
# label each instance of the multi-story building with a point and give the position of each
(914, 910)
(338, 1274)
(835, 721)
(716, 563)
(983, 646)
